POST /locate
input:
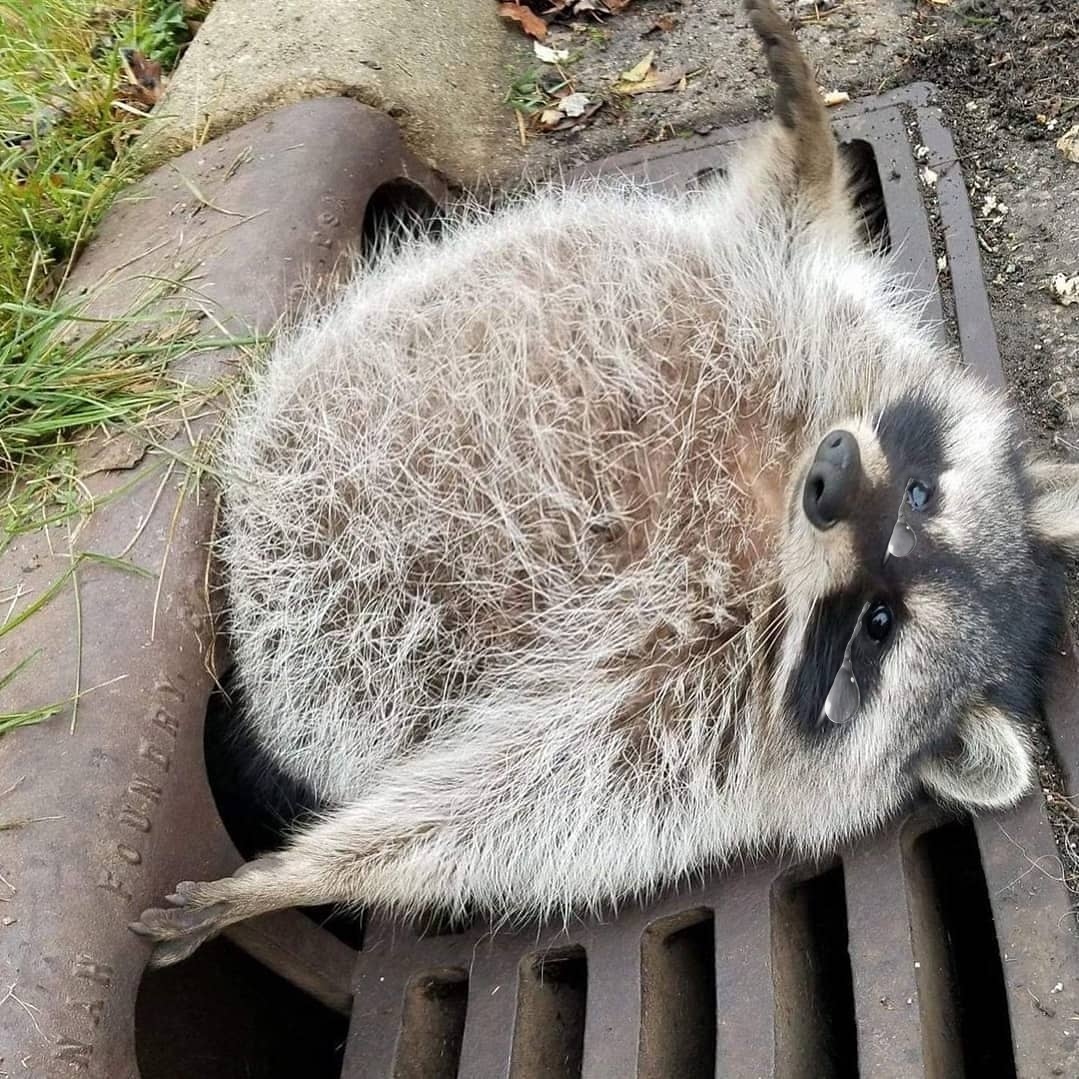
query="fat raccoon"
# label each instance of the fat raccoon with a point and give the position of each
(615, 536)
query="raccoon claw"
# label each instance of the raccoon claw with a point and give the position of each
(180, 929)
(182, 897)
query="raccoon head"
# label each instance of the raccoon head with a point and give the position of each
(923, 572)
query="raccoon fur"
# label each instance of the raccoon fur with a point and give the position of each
(545, 547)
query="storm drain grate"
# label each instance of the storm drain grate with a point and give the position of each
(942, 948)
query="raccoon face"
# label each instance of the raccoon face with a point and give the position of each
(923, 576)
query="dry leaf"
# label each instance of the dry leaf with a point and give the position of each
(549, 55)
(615, 7)
(1065, 290)
(530, 22)
(574, 104)
(656, 82)
(550, 117)
(836, 97)
(639, 69)
(1068, 144)
(664, 24)
(145, 85)
(115, 454)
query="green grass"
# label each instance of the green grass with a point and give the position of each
(68, 117)
(65, 125)
(67, 120)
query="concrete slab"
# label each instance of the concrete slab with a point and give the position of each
(439, 68)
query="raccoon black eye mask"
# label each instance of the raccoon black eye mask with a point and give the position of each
(526, 584)
(875, 619)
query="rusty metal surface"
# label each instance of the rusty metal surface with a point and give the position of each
(936, 949)
(118, 808)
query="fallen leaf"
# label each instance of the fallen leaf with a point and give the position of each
(529, 21)
(118, 453)
(1068, 144)
(550, 117)
(1065, 290)
(549, 55)
(615, 7)
(929, 177)
(145, 84)
(836, 97)
(656, 82)
(574, 104)
(664, 24)
(639, 69)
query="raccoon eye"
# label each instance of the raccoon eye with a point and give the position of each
(918, 495)
(878, 622)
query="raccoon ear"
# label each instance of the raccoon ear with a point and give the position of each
(992, 768)
(1055, 512)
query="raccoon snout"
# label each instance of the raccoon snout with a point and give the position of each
(834, 478)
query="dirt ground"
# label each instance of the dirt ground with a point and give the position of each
(1007, 76)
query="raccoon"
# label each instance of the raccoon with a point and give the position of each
(615, 536)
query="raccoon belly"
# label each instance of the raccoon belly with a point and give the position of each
(444, 486)
(371, 607)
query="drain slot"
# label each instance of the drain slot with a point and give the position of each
(815, 1032)
(964, 1011)
(868, 191)
(221, 1014)
(548, 1035)
(432, 1026)
(678, 997)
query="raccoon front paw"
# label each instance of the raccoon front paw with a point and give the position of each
(180, 929)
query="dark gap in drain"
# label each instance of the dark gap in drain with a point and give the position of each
(548, 1034)
(221, 1014)
(678, 997)
(432, 1025)
(815, 1032)
(397, 210)
(438, 923)
(868, 191)
(707, 177)
(258, 803)
(966, 1031)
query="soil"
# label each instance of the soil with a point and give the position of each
(1007, 79)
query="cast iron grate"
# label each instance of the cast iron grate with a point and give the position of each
(942, 948)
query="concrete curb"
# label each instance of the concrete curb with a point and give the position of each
(439, 68)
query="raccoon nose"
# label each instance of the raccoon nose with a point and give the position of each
(833, 481)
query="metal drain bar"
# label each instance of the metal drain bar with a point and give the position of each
(941, 949)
